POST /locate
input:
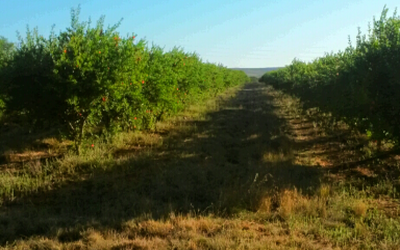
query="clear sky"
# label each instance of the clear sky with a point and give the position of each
(236, 33)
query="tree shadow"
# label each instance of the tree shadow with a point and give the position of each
(235, 157)
(15, 139)
(382, 167)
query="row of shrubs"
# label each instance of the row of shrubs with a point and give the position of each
(89, 80)
(360, 85)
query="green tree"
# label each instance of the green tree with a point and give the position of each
(6, 49)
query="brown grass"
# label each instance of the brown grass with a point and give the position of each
(360, 209)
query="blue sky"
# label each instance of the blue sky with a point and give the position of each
(236, 33)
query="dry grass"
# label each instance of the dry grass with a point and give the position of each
(360, 209)
(247, 170)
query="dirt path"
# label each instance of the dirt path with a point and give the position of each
(252, 147)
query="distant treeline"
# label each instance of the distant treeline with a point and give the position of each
(256, 72)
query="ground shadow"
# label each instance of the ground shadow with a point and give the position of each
(225, 167)
(15, 139)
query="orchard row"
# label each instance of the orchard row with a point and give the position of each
(360, 85)
(91, 80)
